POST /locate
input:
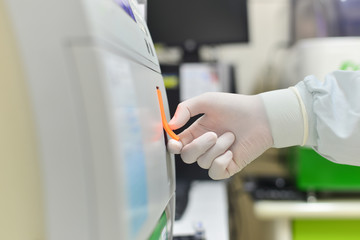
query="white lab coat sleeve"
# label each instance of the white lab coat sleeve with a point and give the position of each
(333, 113)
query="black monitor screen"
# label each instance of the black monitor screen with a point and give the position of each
(172, 22)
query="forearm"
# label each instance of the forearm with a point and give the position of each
(324, 115)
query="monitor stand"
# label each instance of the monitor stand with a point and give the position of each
(190, 51)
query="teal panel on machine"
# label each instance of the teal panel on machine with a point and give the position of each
(314, 172)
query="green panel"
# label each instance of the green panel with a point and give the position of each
(326, 229)
(160, 232)
(314, 172)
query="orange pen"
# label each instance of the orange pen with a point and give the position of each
(163, 117)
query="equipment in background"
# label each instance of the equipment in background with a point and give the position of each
(329, 176)
(320, 19)
(272, 188)
(83, 154)
(320, 56)
(199, 78)
(325, 38)
(191, 24)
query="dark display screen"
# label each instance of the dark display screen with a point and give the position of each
(204, 21)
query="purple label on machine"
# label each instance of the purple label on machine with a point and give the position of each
(126, 6)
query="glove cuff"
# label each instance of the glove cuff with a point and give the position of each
(287, 117)
(307, 98)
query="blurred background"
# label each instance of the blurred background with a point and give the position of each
(248, 47)
(83, 152)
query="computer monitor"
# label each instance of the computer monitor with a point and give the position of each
(201, 21)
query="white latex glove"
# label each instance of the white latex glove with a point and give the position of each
(233, 131)
(236, 129)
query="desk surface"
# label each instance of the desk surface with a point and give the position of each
(340, 209)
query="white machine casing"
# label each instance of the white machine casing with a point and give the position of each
(91, 74)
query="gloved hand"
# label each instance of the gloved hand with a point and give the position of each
(235, 129)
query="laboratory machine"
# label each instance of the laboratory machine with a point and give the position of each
(82, 147)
